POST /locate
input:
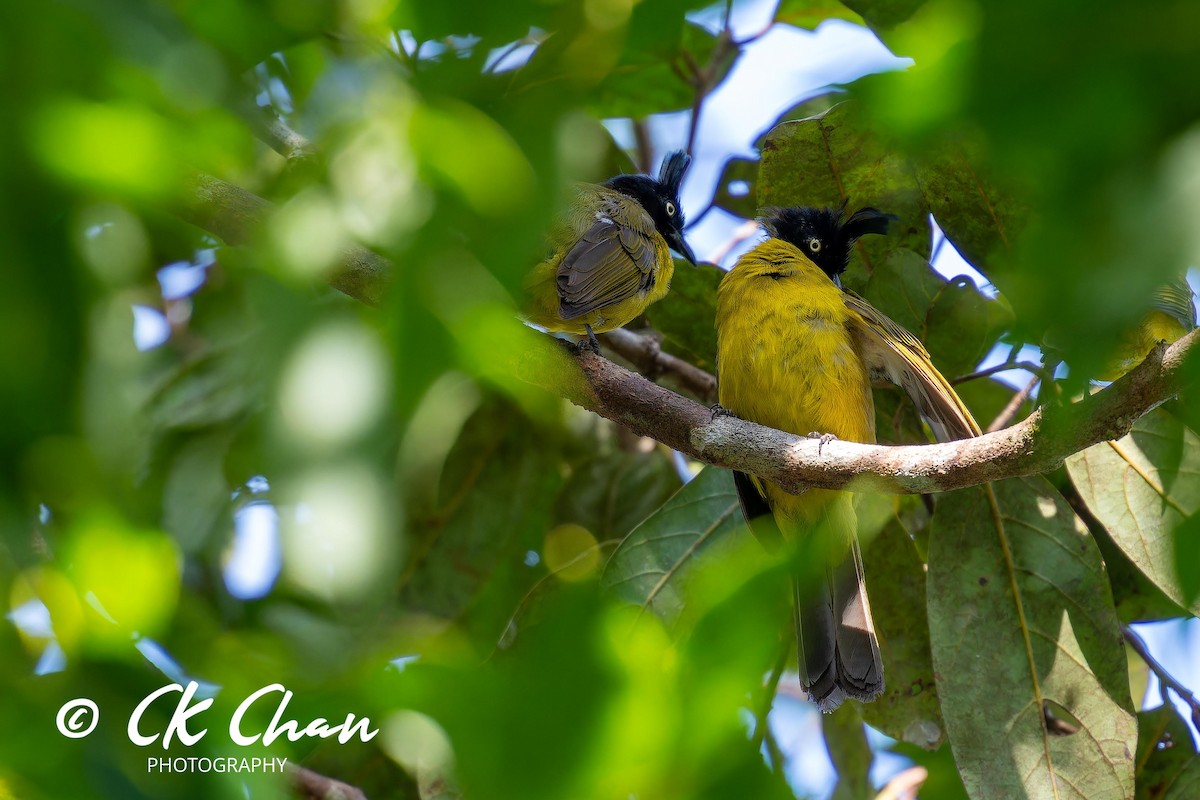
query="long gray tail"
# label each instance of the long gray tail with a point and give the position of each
(839, 653)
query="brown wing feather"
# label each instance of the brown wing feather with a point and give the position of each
(610, 263)
(896, 355)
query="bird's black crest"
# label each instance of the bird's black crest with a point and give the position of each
(670, 174)
(825, 235)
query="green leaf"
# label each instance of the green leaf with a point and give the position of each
(904, 286)
(885, 13)
(652, 81)
(650, 566)
(1187, 557)
(611, 494)
(496, 495)
(963, 326)
(196, 494)
(741, 205)
(836, 156)
(685, 316)
(1142, 488)
(1136, 596)
(846, 741)
(1166, 757)
(955, 321)
(977, 216)
(908, 709)
(811, 13)
(1020, 614)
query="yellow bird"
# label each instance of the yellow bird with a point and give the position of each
(610, 254)
(798, 353)
(1172, 316)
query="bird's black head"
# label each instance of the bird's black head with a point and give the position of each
(660, 197)
(825, 235)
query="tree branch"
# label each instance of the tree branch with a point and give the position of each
(1165, 679)
(237, 216)
(1036, 445)
(315, 786)
(645, 353)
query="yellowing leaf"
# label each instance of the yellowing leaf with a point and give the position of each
(1142, 488)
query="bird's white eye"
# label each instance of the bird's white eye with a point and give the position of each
(814, 245)
(670, 209)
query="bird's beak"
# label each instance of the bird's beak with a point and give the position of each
(680, 246)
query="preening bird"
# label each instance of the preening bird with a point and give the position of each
(798, 353)
(611, 253)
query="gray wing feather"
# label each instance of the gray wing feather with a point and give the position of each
(610, 263)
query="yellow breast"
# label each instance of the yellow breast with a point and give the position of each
(785, 355)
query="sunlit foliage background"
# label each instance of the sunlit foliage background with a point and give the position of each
(273, 482)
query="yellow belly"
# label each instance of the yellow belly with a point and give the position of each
(786, 359)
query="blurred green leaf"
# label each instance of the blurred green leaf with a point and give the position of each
(496, 496)
(1187, 557)
(908, 709)
(1142, 488)
(496, 23)
(206, 390)
(685, 316)
(1166, 755)
(977, 217)
(651, 81)
(1020, 613)
(811, 13)
(846, 741)
(652, 563)
(885, 13)
(610, 494)
(196, 493)
(531, 691)
(1069, 269)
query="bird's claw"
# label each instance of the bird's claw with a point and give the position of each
(719, 410)
(823, 438)
(590, 343)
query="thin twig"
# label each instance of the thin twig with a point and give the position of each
(904, 785)
(645, 353)
(1165, 678)
(1027, 366)
(746, 230)
(315, 786)
(645, 148)
(512, 48)
(1006, 416)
